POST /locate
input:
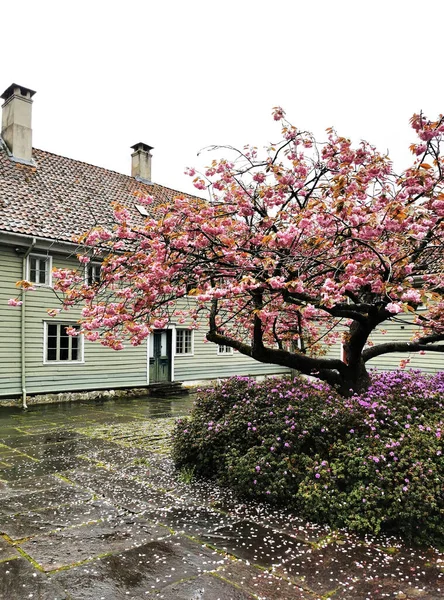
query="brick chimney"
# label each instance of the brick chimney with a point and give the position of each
(141, 162)
(16, 121)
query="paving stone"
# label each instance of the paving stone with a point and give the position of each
(40, 427)
(151, 407)
(7, 551)
(194, 520)
(60, 493)
(206, 587)
(163, 463)
(170, 482)
(130, 575)
(120, 489)
(124, 458)
(281, 520)
(33, 468)
(20, 580)
(70, 448)
(209, 494)
(7, 432)
(6, 451)
(278, 519)
(69, 546)
(102, 419)
(256, 544)
(347, 567)
(3, 459)
(28, 524)
(14, 458)
(52, 437)
(262, 583)
(386, 588)
(151, 435)
(29, 484)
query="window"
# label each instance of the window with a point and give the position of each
(142, 210)
(184, 341)
(39, 269)
(92, 273)
(224, 350)
(61, 347)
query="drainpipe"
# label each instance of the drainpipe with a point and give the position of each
(22, 325)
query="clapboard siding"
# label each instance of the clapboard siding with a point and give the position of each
(206, 363)
(402, 331)
(101, 367)
(10, 365)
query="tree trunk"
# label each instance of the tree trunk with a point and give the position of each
(355, 380)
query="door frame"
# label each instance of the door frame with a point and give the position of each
(171, 328)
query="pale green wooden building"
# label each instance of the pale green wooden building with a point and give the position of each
(45, 199)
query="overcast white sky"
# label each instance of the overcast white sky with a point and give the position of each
(181, 75)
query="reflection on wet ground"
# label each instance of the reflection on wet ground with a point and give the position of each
(92, 509)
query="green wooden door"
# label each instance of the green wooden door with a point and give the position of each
(160, 356)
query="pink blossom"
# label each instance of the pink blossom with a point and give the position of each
(412, 296)
(199, 184)
(259, 177)
(14, 302)
(393, 308)
(278, 113)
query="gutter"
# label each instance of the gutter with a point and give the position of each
(19, 239)
(23, 323)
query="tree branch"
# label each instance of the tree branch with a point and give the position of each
(390, 347)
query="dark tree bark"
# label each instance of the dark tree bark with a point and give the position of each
(348, 376)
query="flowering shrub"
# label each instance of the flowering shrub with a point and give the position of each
(372, 463)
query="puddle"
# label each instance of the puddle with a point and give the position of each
(139, 572)
(72, 545)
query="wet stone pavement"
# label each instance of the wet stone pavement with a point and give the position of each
(91, 508)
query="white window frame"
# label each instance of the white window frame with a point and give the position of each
(178, 331)
(48, 260)
(87, 268)
(228, 350)
(81, 346)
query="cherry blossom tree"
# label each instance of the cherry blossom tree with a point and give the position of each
(296, 248)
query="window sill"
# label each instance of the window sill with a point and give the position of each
(63, 362)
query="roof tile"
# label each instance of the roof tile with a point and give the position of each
(61, 197)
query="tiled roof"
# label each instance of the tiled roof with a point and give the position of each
(61, 197)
